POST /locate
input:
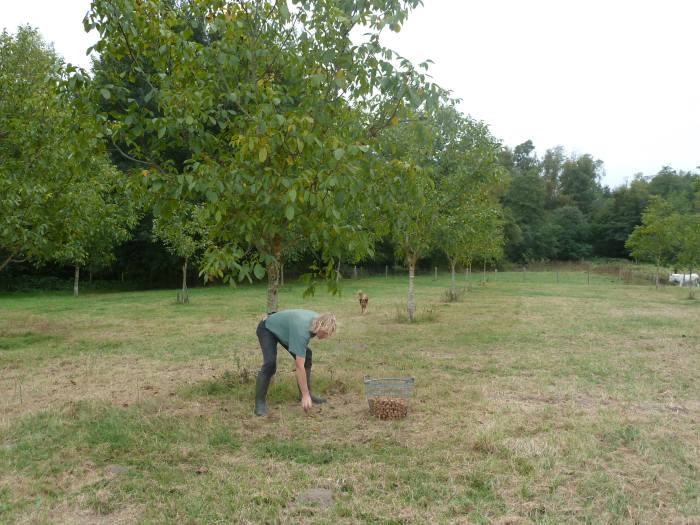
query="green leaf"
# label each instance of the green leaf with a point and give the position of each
(105, 93)
(338, 153)
(289, 213)
(262, 154)
(259, 271)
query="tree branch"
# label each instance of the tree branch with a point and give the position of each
(133, 159)
(8, 260)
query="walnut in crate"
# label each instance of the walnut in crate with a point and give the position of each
(388, 407)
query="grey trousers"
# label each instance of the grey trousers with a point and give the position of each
(268, 345)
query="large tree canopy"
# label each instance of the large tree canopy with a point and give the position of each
(59, 196)
(272, 110)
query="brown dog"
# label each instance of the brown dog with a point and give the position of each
(364, 299)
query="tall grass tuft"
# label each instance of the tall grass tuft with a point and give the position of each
(453, 295)
(427, 314)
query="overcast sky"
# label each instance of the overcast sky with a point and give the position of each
(618, 79)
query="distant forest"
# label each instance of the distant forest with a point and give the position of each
(557, 209)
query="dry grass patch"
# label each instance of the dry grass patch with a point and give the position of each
(534, 403)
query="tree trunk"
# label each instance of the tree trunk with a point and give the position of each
(90, 277)
(337, 272)
(354, 272)
(411, 305)
(273, 282)
(7, 261)
(281, 275)
(691, 287)
(657, 273)
(76, 281)
(454, 281)
(484, 279)
(183, 296)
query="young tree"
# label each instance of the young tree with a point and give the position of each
(184, 234)
(468, 178)
(687, 229)
(654, 239)
(107, 213)
(490, 243)
(475, 233)
(272, 110)
(413, 204)
(414, 227)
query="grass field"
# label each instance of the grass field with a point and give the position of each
(535, 401)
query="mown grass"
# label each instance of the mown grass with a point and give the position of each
(536, 402)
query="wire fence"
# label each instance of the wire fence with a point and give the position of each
(565, 273)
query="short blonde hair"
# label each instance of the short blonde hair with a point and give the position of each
(325, 322)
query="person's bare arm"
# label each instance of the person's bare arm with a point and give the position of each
(301, 379)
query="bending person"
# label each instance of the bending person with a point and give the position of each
(293, 329)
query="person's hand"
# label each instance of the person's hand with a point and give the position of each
(306, 403)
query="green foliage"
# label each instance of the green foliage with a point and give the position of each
(555, 208)
(616, 216)
(263, 116)
(654, 239)
(569, 234)
(61, 199)
(183, 232)
(579, 182)
(108, 212)
(444, 178)
(524, 203)
(687, 229)
(469, 179)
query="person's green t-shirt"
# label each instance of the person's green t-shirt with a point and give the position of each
(292, 328)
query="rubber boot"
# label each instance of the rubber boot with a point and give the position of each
(261, 386)
(314, 399)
